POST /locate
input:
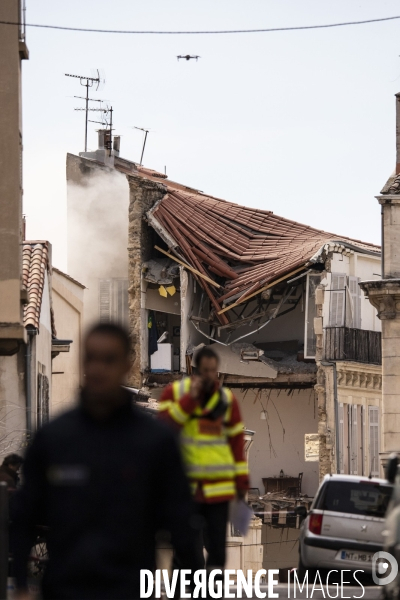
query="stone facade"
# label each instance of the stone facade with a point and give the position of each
(143, 194)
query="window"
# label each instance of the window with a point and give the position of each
(311, 312)
(374, 440)
(341, 438)
(356, 498)
(351, 439)
(113, 301)
(345, 303)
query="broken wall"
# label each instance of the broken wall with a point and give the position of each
(143, 194)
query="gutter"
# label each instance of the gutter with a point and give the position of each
(28, 366)
(325, 363)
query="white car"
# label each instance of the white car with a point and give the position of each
(344, 527)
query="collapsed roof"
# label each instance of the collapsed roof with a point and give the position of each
(243, 250)
(237, 251)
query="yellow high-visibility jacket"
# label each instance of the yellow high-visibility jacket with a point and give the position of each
(212, 440)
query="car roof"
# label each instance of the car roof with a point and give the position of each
(355, 478)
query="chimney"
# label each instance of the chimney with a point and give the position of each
(397, 134)
(107, 140)
(101, 133)
(116, 144)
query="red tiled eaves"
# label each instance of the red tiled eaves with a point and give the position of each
(35, 263)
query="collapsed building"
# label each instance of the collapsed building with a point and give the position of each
(280, 302)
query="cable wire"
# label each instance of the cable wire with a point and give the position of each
(216, 32)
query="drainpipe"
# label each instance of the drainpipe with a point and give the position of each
(28, 367)
(325, 363)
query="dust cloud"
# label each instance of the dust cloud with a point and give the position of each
(97, 209)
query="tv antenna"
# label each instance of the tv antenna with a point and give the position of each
(146, 131)
(87, 82)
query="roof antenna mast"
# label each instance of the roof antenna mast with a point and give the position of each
(146, 131)
(87, 82)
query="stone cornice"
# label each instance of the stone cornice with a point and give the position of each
(384, 295)
(388, 199)
(358, 379)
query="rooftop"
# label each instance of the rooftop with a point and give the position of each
(69, 277)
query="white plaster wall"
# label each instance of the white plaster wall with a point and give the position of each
(170, 304)
(68, 308)
(274, 449)
(12, 404)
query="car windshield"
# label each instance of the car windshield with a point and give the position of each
(356, 497)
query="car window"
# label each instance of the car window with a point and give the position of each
(356, 497)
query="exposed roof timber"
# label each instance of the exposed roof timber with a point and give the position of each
(188, 267)
(162, 232)
(263, 289)
(196, 321)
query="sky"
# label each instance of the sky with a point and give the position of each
(301, 123)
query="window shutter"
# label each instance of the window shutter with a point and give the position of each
(353, 440)
(361, 439)
(374, 440)
(354, 312)
(105, 290)
(341, 439)
(39, 400)
(337, 304)
(45, 400)
(122, 312)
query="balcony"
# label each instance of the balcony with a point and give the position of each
(345, 343)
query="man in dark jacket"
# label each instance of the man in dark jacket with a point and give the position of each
(9, 471)
(105, 478)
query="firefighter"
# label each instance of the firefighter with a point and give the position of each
(212, 443)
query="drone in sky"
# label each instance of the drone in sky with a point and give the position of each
(188, 57)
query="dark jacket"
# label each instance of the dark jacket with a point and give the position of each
(9, 476)
(104, 490)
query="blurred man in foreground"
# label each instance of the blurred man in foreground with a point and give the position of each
(212, 440)
(104, 478)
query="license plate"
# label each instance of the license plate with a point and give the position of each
(365, 557)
